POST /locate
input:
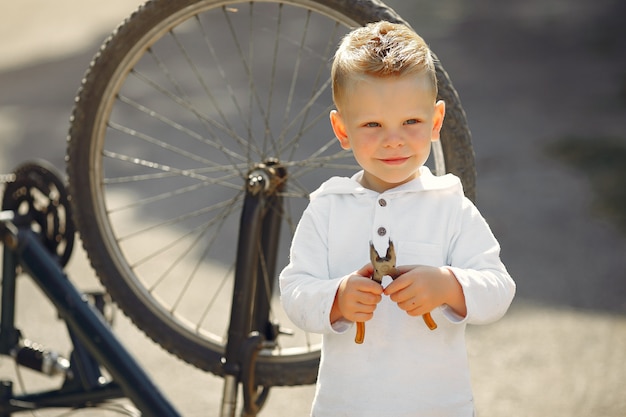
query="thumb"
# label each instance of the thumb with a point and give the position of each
(366, 271)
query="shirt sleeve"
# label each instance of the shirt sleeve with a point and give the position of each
(307, 291)
(474, 258)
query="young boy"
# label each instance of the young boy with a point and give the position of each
(385, 89)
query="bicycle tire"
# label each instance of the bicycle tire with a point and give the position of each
(130, 113)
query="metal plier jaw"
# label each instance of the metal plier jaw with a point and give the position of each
(383, 265)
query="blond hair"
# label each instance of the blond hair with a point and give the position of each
(380, 49)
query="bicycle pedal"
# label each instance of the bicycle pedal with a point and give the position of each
(35, 356)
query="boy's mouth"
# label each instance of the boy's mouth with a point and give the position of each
(394, 161)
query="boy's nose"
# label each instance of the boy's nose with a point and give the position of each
(393, 139)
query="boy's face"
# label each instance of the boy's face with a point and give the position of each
(389, 123)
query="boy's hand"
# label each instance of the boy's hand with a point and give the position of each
(420, 289)
(357, 297)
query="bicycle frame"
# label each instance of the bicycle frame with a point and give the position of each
(250, 329)
(93, 340)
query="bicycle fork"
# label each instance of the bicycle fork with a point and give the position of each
(250, 329)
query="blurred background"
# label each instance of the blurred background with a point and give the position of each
(543, 83)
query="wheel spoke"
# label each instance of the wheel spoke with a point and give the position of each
(190, 173)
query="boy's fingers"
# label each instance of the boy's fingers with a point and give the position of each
(397, 285)
(370, 298)
(402, 269)
(365, 283)
(372, 287)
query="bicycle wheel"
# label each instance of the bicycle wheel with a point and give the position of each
(180, 102)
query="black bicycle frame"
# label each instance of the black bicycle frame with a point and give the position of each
(92, 337)
(257, 248)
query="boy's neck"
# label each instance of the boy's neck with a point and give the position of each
(372, 183)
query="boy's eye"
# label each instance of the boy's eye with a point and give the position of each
(411, 122)
(372, 124)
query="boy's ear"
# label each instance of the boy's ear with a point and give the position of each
(440, 113)
(336, 121)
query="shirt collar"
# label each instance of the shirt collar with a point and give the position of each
(425, 182)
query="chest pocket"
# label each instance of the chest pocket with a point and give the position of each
(417, 253)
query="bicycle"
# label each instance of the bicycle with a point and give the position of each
(38, 236)
(180, 135)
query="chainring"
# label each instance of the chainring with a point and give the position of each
(39, 199)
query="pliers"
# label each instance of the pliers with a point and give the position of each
(386, 266)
